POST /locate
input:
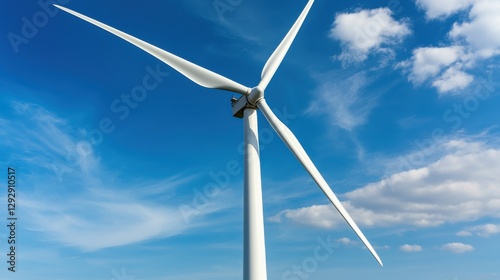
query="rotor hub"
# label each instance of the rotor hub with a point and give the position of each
(247, 101)
(255, 95)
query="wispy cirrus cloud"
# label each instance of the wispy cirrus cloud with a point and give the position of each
(43, 139)
(90, 223)
(73, 199)
(344, 100)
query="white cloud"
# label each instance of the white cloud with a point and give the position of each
(452, 79)
(441, 65)
(482, 230)
(472, 41)
(346, 241)
(430, 61)
(344, 100)
(464, 233)
(410, 248)
(367, 31)
(482, 29)
(442, 8)
(320, 216)
(457, 248)
(460, 186)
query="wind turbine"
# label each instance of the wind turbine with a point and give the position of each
(245, 107)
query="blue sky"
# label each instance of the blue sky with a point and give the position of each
(128, 170)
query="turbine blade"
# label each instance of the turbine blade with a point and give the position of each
(277, 57)
(195, 73)
(294, 145)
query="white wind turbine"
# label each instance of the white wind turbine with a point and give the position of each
(245, 107)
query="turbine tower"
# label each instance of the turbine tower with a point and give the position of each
(251, 100)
